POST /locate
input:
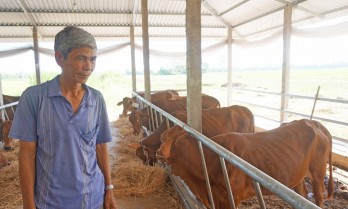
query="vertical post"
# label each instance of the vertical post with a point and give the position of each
(146, 52)
(229, 66)
(36, 56)
(286, 61)
(134, 83)
(315, 102)
(193, 64)
(2, 116)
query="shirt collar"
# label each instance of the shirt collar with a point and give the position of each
(54, 90)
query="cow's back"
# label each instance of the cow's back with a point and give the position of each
(164, 95)
(209, 102)
(227, 119)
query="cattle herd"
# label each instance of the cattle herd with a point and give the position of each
(289, 153)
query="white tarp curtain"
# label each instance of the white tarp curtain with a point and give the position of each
(319, 32)
(50, 52)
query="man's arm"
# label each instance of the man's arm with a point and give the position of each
(26, 163)
(103, 162)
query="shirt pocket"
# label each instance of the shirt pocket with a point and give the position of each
(88, 140)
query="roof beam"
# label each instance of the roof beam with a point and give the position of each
(300, 7)
(213, 12)
(265, 14)
(135, 2)
(233, 7)
(298, 21)
(31, 17)
(25, 7)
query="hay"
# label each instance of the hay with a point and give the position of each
(136, 179)
(131, 177)
(10, 195)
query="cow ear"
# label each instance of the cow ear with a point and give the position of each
(134, 145)
(165, 150)
(118, 104)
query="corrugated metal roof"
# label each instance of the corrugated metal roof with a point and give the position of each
(113, 18)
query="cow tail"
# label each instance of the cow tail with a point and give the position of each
(330, 186)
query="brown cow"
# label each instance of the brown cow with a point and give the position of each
(140, 118)
(288, 154)
(127, 105)
(130, 104)
(3, 160)
(214, 121)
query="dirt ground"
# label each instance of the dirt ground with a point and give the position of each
(139, 186)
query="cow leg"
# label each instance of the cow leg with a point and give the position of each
(318, 189)
(301, 189)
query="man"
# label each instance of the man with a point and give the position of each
(63, 129)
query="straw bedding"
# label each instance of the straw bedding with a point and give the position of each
(10, 195)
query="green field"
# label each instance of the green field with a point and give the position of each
(333, 84)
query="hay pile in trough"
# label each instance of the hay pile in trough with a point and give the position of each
(10, 195)
(130, 176)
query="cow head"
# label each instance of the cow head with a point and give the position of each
(138, 118)
(146, 153)
(168, 139)
(128, 104)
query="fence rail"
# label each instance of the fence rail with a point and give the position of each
(7, 107)
(288, 111)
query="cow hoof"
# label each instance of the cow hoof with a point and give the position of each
(7, 148)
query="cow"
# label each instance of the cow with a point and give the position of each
(288, 154)
(6, 127)
(139, 118)
(130, 104)
(127, 105)
(214, 121)
(3, 160)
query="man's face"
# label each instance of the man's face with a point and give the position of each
(78, 65)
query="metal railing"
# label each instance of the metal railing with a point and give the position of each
(7, 107)
(259, 178)
(336, 139)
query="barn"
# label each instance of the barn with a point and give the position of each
(202, 27)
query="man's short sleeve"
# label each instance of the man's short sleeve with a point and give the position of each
(24, 125)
